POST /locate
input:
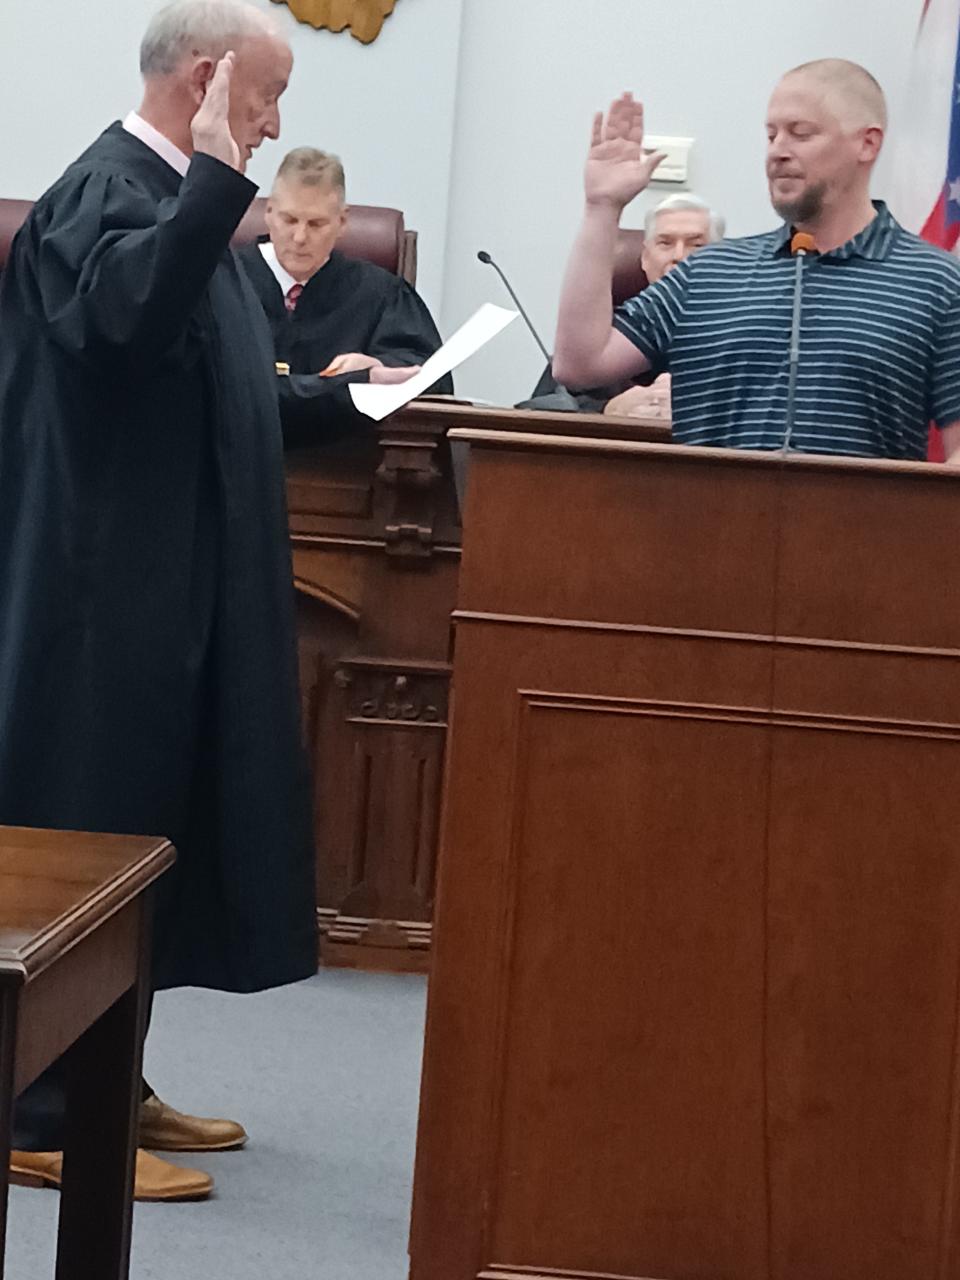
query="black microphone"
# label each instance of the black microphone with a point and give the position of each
(801, 244)
(488, 261)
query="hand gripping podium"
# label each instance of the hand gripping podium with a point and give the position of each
(694, 1005)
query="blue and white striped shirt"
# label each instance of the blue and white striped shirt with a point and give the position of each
(879, 344)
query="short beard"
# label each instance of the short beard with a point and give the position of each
(807, 207)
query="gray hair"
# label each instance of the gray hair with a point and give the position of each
(313, 168)
(718, 223)
(199, 27)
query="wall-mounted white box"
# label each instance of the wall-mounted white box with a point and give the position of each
(674, 168)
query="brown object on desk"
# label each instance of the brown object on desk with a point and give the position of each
(74, 971)
(375, 529)
(693, 1005)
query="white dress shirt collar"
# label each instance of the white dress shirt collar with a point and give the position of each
(284, 279)
(156, 141)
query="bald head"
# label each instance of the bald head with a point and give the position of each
(825, 127)
(849, 91)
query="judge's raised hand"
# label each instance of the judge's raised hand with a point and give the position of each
(210, 125)
(385, 376)
(617, 166)
(350, 362)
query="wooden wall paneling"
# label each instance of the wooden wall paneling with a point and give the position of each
(864, 963)
(375, 531)
(864, 883)
(375, 535)
(548, 973)
(599, 1083)
(382, 737)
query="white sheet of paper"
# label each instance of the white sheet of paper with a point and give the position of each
(484, 324)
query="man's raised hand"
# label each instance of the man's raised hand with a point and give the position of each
(210, 125)
(617, 166)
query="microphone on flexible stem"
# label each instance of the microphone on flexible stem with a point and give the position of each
(801, 244)
(485, 258)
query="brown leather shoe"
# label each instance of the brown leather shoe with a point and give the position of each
(163, 1129)
(155, 1179)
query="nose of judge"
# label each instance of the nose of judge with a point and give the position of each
(271, 125)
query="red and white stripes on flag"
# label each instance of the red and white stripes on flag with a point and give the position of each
(923, 181)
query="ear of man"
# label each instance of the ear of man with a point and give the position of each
(200, 76)
(871, 144)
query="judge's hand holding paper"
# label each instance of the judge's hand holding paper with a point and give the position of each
(381, 374)
(378, 402)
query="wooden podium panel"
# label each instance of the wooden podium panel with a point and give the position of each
(694, 1005)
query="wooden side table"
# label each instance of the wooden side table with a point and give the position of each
(74, 966)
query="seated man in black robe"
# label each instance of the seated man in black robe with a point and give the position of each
(674, 228)
(334, 319)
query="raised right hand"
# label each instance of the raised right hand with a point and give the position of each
(210, 125)
(617, 167)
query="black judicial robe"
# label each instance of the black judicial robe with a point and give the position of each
(348, 305)
(148, 677)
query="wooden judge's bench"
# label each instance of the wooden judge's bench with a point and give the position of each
(375, 529)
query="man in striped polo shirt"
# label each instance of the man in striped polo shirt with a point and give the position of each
(880, 332)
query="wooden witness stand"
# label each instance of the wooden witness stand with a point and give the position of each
(693, 1009)
(74, 976)
(375, 529)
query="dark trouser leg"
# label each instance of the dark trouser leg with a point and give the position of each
(40, 1111)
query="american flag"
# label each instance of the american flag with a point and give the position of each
(927, 157)
(942, 226)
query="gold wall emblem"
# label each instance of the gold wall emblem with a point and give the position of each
(365, 18)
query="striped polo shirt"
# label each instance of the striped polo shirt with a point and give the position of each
(879, 344)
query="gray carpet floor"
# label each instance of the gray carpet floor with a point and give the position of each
(325, 1075)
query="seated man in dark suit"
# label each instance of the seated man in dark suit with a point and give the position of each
(334, 319)
(675, 228)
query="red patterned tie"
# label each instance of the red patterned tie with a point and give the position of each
(292, 297)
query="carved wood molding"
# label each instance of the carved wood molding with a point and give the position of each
(413, 935)
(316, 591)
(365, 18)
(409, 475)
(768, 717)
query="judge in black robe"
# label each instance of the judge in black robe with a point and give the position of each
(344, 306)
(148, 676)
